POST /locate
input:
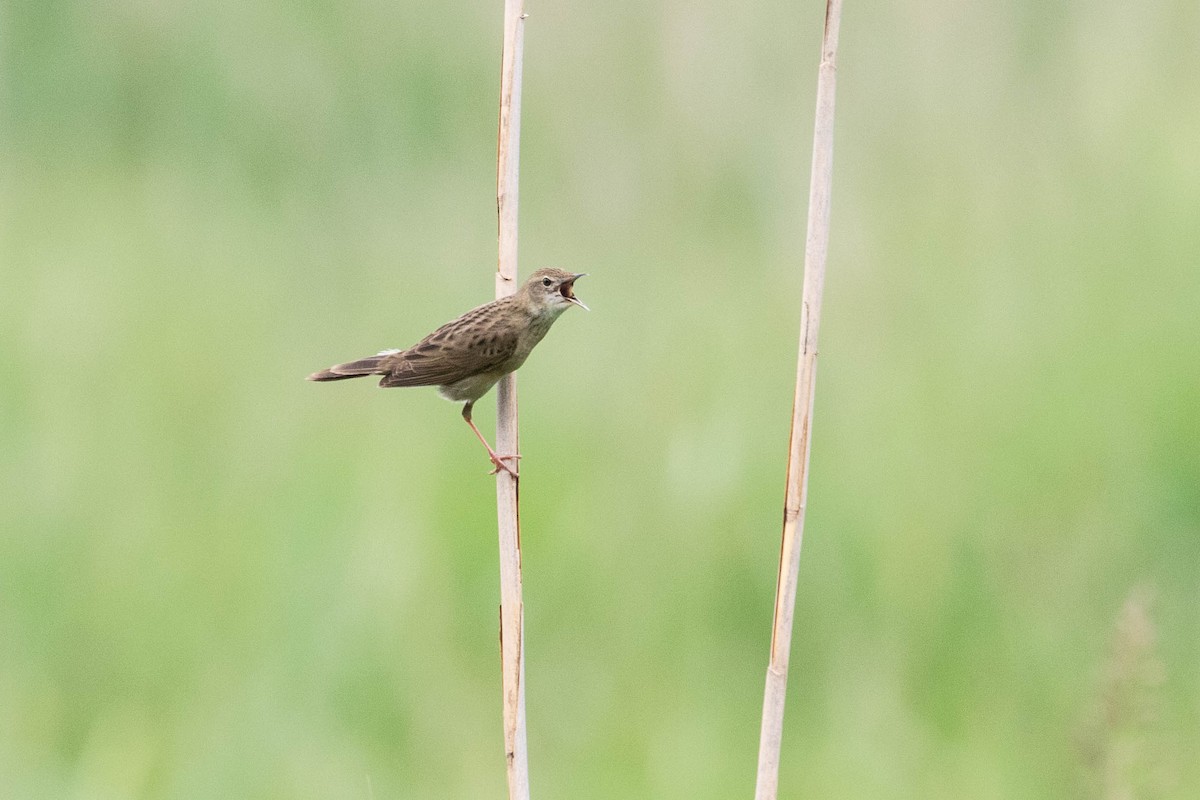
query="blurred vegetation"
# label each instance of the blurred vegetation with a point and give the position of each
(217, 580)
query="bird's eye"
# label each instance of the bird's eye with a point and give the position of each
(546, 281)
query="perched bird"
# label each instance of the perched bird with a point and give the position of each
(465, 357)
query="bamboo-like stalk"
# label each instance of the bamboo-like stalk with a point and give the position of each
(512, 611)
(815, 249)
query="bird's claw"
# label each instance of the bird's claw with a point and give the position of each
(498, 460)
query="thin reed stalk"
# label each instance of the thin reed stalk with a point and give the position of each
(512, 611)
(815, 249)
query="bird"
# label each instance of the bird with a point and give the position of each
(467, 356)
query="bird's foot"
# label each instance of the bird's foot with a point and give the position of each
(498, 460)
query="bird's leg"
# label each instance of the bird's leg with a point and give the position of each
(497, 459)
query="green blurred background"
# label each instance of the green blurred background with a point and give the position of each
(220, 581)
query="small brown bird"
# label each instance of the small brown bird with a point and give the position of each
(466, 357)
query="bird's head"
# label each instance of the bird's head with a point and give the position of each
(553, 289)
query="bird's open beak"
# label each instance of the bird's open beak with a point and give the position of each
(568, 291)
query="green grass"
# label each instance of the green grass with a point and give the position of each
(217, 580)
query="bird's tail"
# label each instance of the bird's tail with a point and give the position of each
(351, 369)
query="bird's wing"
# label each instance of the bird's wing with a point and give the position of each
(478, 341)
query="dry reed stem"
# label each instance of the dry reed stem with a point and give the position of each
(816, 247)
(512, 612)
(1126, 753)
